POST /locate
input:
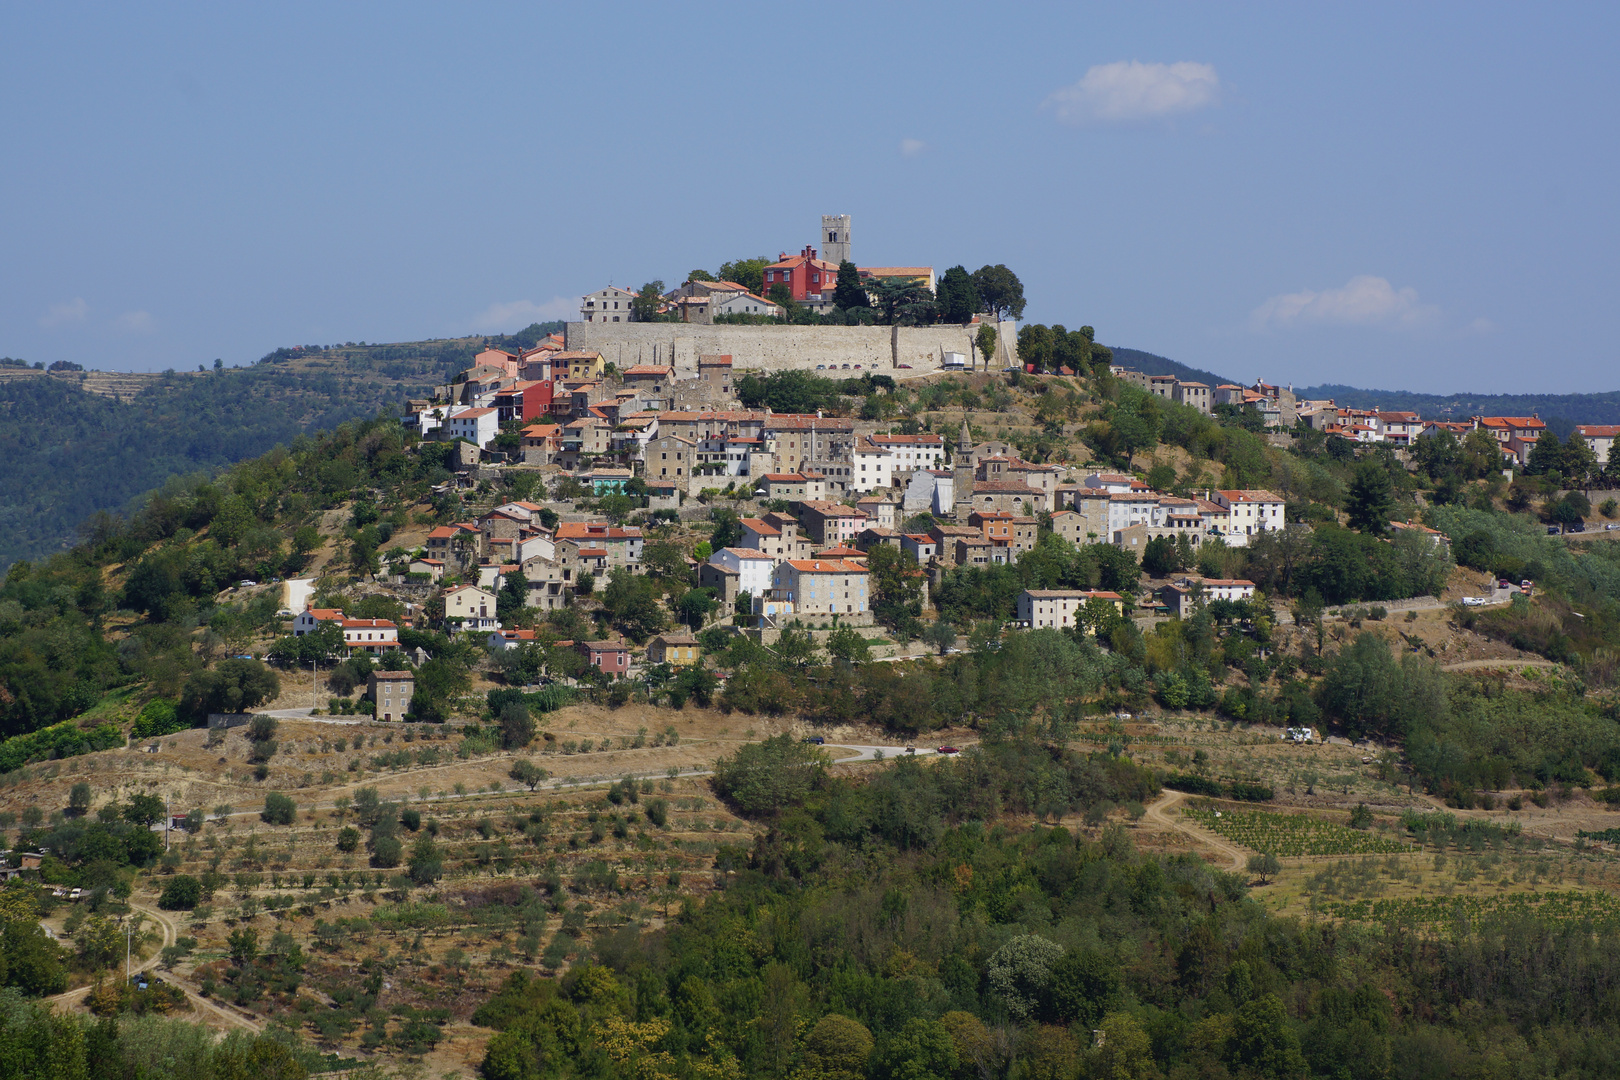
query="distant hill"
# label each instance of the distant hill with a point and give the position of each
(77, 443)
(1561, 411)
(1150, 364)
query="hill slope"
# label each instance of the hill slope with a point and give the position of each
(1153, 364)
(76, 444)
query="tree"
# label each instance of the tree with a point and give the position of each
(985, 339)
(79, 799)
(749, 273)
(513, 598)
(896, 585)
(426, 862)
(243, 946)
(233, 686)
(528, 773)
(837, 1048)
(143, 810)
(517, 726)
(902, 301)
(182, 892)
(262, 728)
(922, 1050)
(727, 528)
(1263, 1041)
(849, 293)
(940, 634)
(1000, 291)
(1035, 346)
(644, 305)
(764, 778)
(958, 296)
(1021, 972)
(1370, 500)
(1265, 866)
(1361, 817)
(278, 809)
(663, 559)
(695, 607)
(846, 643)
(632, 601)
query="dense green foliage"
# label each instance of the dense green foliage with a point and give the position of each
(887, 930)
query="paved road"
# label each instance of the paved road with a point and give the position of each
(870, 753)
(1165, 812)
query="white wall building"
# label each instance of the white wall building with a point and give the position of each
(874, 467)
(611, 304)
(477, 426)
(753, 568)
(1252, 511)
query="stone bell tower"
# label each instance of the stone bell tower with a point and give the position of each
(835, 238)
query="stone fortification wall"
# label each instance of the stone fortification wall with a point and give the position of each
(779, 348)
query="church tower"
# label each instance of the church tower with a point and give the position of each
(835, 237)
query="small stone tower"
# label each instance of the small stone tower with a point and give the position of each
(835, 238)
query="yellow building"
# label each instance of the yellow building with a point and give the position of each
(677, 650)
(582, 364)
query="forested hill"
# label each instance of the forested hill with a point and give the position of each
(1151, 364)
(77, 443)
(1601, 408)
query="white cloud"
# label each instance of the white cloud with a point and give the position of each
(515, 315)
(68, 311)
(1364, 300)
(1128, 91)
(135, 322)
(912, 147)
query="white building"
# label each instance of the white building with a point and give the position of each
(1039, 608)
(743, 303)
(470, 608)
(913, 451)
(1132, 508)
(477, 426)
(611, 304)
(1599, 438)
(753, 568)
(374, 636)
(1252, 511)
(310, 619)
(874, 466)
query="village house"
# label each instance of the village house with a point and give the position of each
(777, 536)
(675, 649)
(1251, 512)
(1183, 596)
(1599, 438)
(373, 636)
(611, 304)
(310, 619)
(477, 426)
(1039, 608)
(391, 693)
(623, 544)
(821, 586)
(610, 657)
(829, 523)
(468, 607)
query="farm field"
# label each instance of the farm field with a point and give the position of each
(1292, 835)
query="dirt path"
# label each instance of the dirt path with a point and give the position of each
(1163, 812)
(1475, 665)
(200, 1004)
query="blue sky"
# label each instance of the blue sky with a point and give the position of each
(1402, 196)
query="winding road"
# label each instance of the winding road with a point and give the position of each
(200, 1004)
(1163, 813)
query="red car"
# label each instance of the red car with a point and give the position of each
(947, 750)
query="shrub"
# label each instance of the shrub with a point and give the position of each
(348, 838)
(278, 809)
(181, 893)
(411, 819)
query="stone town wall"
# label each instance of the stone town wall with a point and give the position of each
(782, 348)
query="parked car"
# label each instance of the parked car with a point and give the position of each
(815, 740)
(911, 749)
(1575, 526)
(1504, 584)
(1473, 601)
(948, 750)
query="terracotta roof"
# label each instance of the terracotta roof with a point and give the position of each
(743, 553)
(1065, 594)
(1598, 431)
(825, 566)
(1251, 495)
(761, 527)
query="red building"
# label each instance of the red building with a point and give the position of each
(807, 277)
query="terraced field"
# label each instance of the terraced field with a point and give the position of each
(1290, 835)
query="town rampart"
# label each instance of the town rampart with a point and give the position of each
(783, 348)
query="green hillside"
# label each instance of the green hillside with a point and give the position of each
(76, 444)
